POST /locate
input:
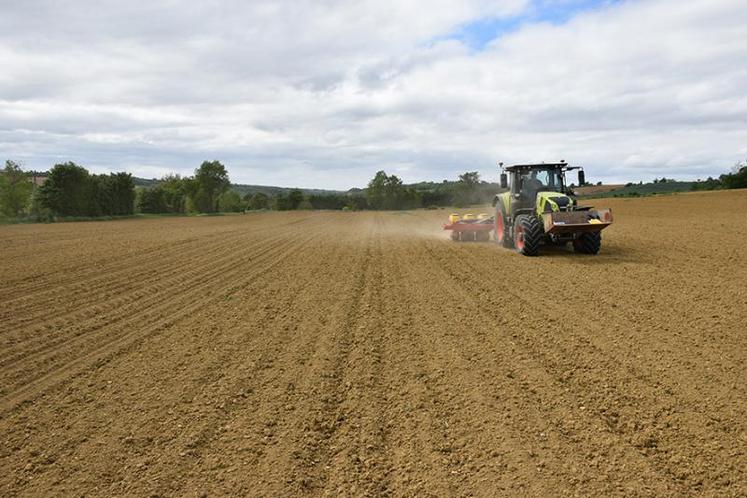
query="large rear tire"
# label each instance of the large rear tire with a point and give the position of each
(588, 243)
(527, 235)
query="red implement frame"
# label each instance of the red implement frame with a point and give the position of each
(476, 226)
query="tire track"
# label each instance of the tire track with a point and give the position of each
(361, 462)
(88, 327)
(619, 390)
(83, 271)
(106, 279)
(563, 420)
(231, 392)
(561, 361)
(309, 469)
(114, 345)
(218, 392)
(90, 318)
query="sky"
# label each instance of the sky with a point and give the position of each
(322, 94)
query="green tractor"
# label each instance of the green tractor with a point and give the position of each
(539, 208)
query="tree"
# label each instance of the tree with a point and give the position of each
(328, 201)
(15, 189)
(259, 201)
(467, 188)
(470, 178)
(152, 200)
(387, 192)
(97, 196)
(71, 191)
(211, 180)
(169, 195)
(175, 192)
(66, 191)
(393, 192)
(111, 195)
(737, 178)
(295, 197)
(280, 203)
(230, 202)
(375, 192)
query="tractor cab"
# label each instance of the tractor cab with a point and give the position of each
(539, 179)
(529, 180)
(538, 188)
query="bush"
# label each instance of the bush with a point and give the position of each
(71, 191)
(258, 201)
(231, 202)
(737, 179)
(15, 190)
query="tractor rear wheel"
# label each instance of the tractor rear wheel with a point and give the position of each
(501, 234)
(527, 235)
(588, 243)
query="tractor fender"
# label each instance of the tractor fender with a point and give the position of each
(501, 202)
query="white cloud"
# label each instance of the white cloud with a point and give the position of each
(322, 94)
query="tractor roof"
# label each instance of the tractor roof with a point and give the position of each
(537, 166)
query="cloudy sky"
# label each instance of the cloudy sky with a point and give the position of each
(325, 93)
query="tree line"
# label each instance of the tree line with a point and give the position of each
(205, 192)
(171, 194)
(70, 190)
(736, 179)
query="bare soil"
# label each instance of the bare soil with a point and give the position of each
(320, 353)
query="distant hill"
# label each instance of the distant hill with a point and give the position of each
(598, 189)
(243, 189)
(144, 182)
(643, 189)
(273, 191)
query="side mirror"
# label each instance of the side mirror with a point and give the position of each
(504, 180)
(581, 178)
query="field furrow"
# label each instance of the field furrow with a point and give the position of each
(366, 354)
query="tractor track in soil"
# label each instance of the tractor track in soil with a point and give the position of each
(153, 316)
(105, 280)
(149, 294)
(365, 354)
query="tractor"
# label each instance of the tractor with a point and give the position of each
(539, 209)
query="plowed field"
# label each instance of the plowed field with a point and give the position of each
(320, 353)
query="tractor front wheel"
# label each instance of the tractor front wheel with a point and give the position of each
(527, 235)
(588, 243)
